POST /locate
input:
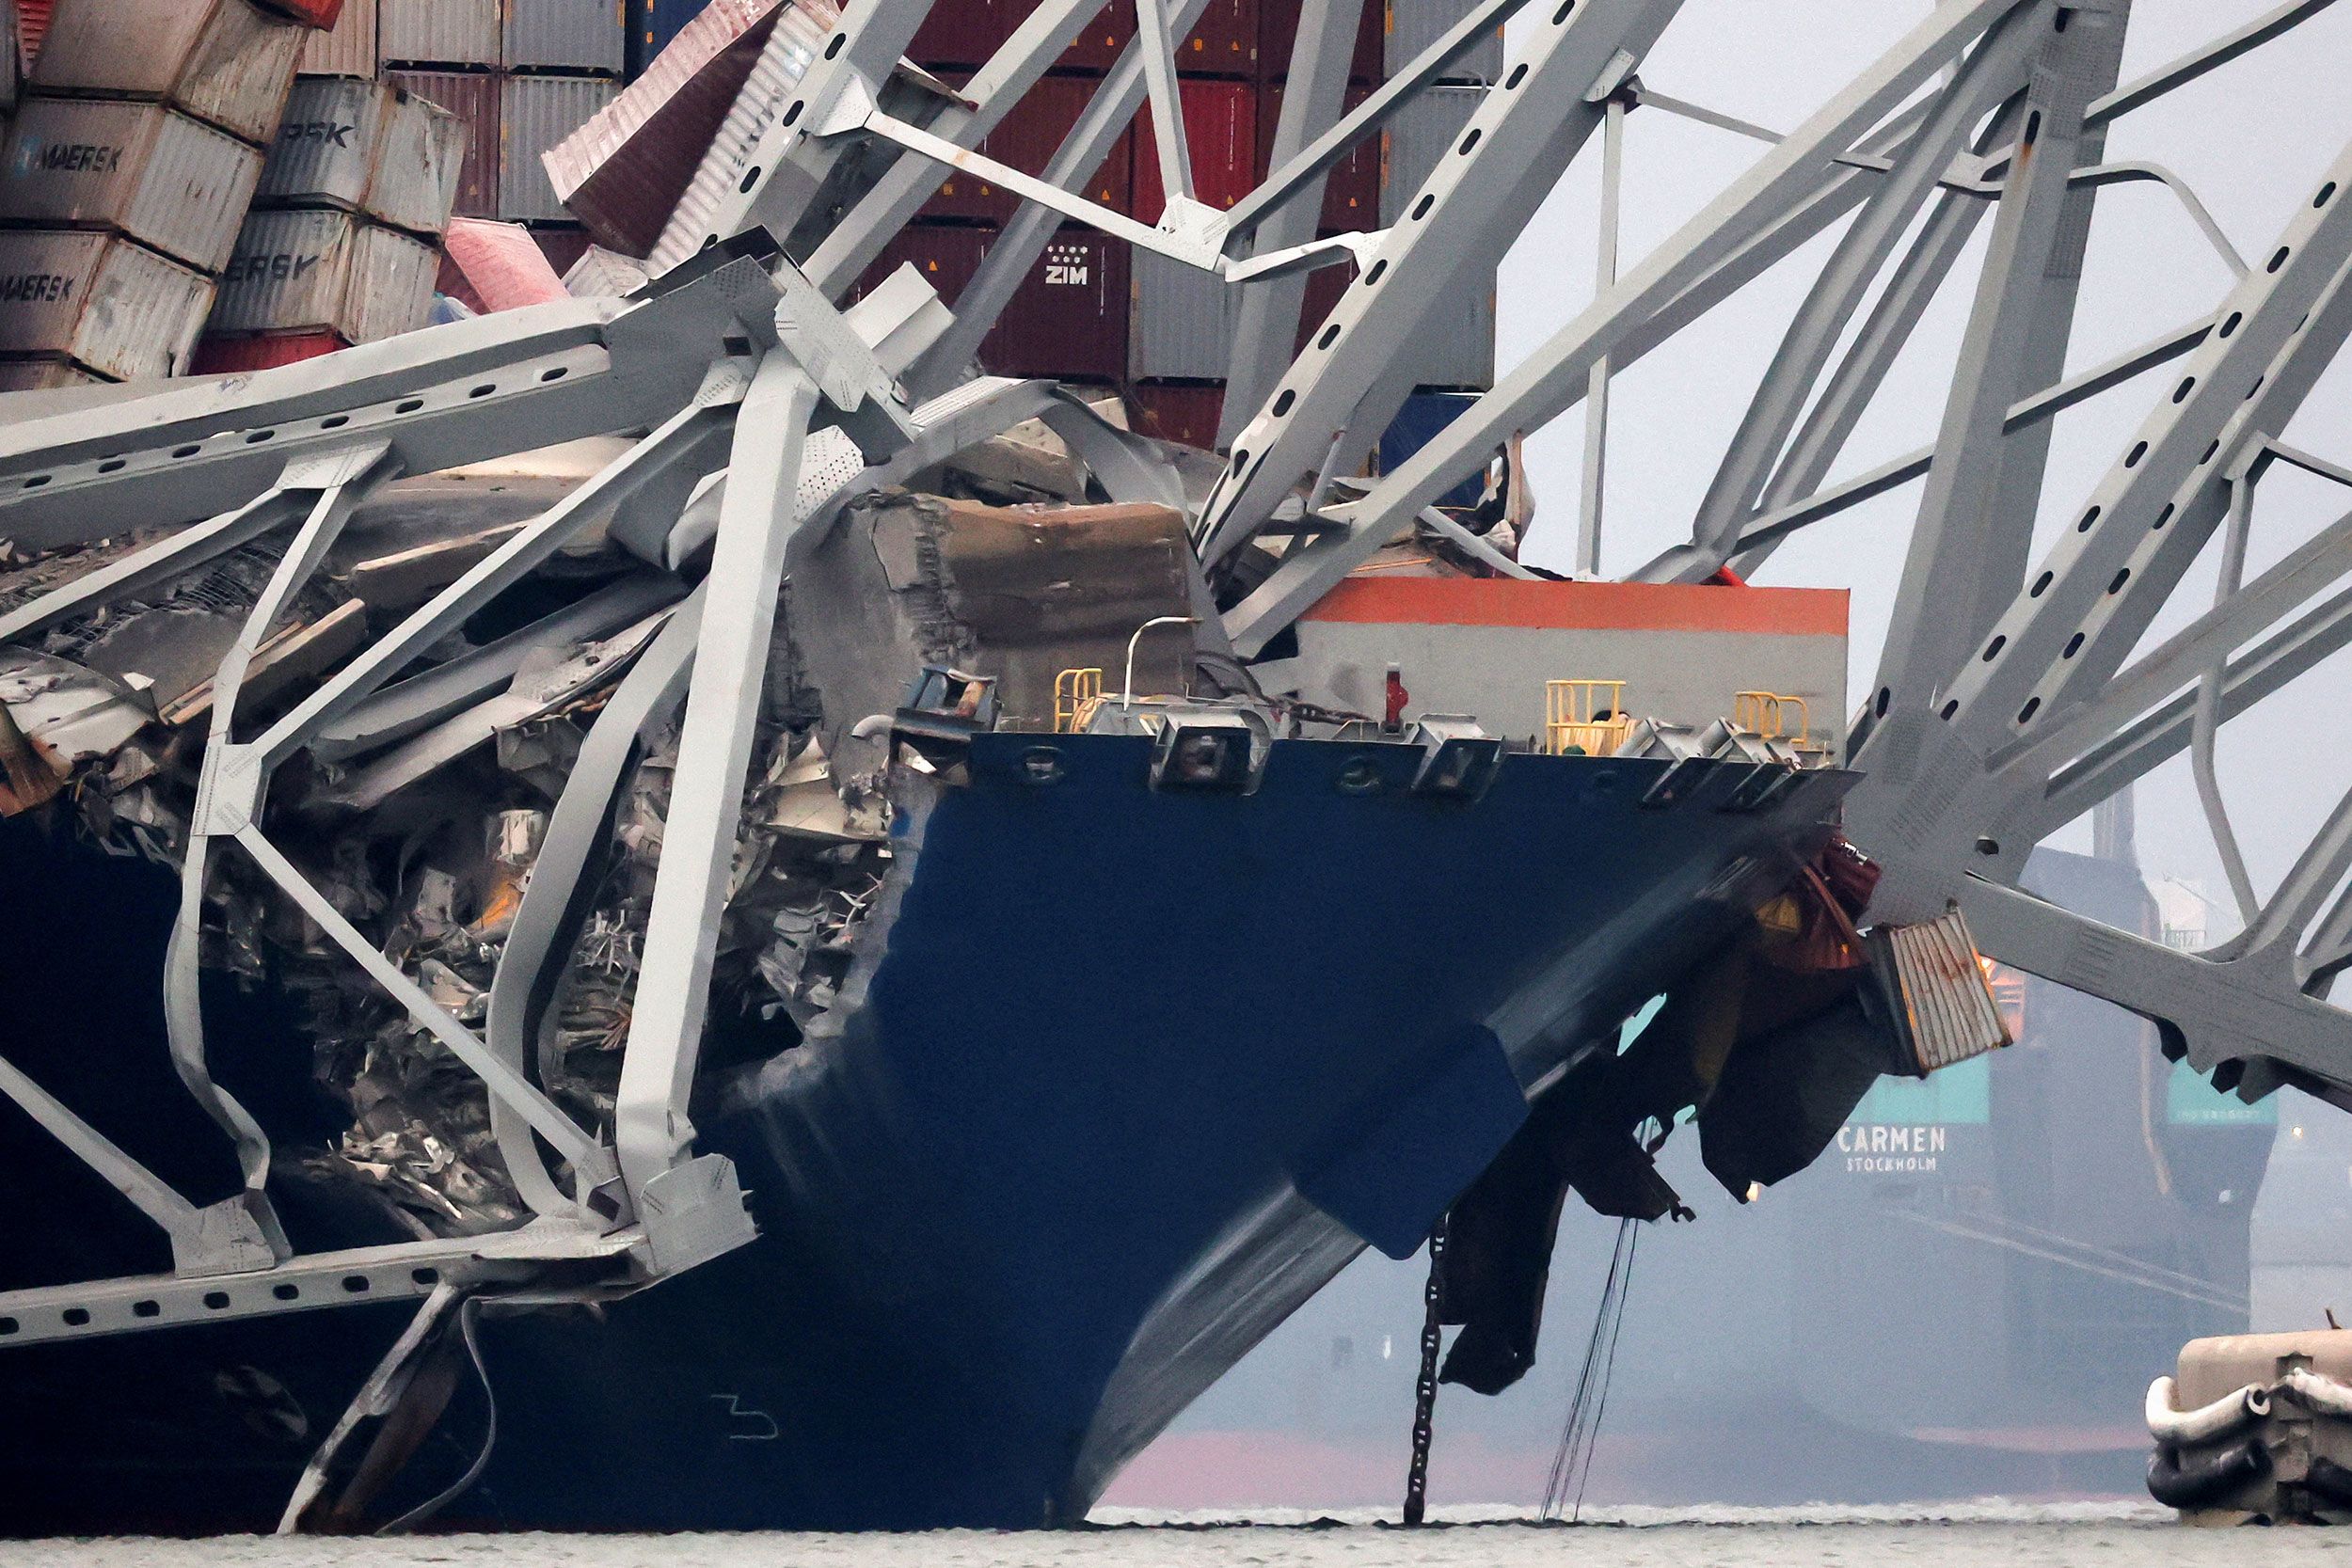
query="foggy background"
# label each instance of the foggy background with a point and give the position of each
(2251, 140)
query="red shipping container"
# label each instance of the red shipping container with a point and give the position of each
(1224, 42)
(963, 33)
(1027, 139)
(945, 255)
(1278, 32)
(1351, 192)
(1324, 286)
(225, 354)
(1102, 41)
(473, 97)
(496, 266)
(1221, 128)
(32, 25)
(321, 14)
(1068, 319)
(1185, 411)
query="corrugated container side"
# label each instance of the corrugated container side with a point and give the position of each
(346, 49)
(1221, 129)
(1099, 44)
(1027, 139)
(474, 99)
(1181, 321)
(1068, 318)
(100, 300)
(325, 272)
(163, 179)
(45, 375)
(1415, 24)
(1180, 411)
(1278, 34)
(535, 114)
(1351, 192)
(32, 27)
(1224, 41)
(327, 145)
(1418, 424)
(498, 266)
(222, 353)
(1416, 138)
(439, 32)
(603, 274)
(622, 172)
(420, 166)
(225, 61)
(566, 35)
(798, 34)
(391, 284)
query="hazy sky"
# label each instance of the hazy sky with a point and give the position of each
(2251, 140)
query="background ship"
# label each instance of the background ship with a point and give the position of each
(1963, 1297)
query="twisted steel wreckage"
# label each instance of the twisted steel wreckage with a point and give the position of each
(912, 1067)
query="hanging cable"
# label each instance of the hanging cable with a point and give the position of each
(1572, 1461)
(466, 1316)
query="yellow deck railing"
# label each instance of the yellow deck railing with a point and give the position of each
(1074, 690)
(1584, 716)
(1767, 714)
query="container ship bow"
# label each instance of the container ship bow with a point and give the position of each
(614, 996)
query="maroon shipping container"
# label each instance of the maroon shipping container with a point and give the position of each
(562, 247)
(473, 97)
(1324, 286)
(1351, 194)
(1224, 42)
(1277, 31)
(220, 354)
(1185, 411)
(1027, 139)
(1069, 317)
(945, 255)
(1105, 38)
(963, 33)
(1221, 127)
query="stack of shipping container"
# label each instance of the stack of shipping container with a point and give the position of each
(522, 75)
(1095, 309)
(344, 243)
(133, 153)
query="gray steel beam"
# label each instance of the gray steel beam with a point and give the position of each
(755, 527)
(1498, 172)
(1313, 96)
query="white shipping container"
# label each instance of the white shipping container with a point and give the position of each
(367, 147)
(108, 304)
(1413, 25)
(535, 113)
(1182, 323)
(325, 272)
(438, 32)
(227, 62)
(346, 49)
(566, 35)
(144, 169)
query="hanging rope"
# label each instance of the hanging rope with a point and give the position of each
(1425, 1390)
(1572, 1461)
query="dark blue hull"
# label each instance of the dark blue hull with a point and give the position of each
(1102, 1081)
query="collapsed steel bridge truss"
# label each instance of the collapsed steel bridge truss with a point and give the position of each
(2008, 699)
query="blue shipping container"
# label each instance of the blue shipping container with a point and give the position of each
(1416, 425)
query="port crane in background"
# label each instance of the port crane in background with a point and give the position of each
(2012, 695)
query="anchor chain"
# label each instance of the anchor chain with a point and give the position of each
(1425, 1388)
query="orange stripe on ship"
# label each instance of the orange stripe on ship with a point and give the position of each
(1585, 606)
